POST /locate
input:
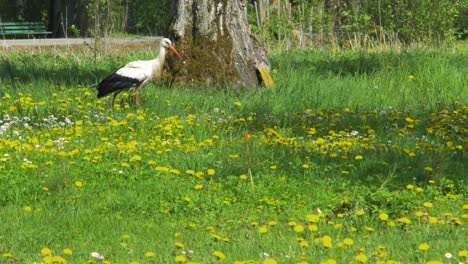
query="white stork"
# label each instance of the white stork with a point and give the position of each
(135, 74)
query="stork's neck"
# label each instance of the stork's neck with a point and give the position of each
(161, 56)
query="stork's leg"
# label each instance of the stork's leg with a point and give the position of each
(115, 95)
(113, 98)
(136, 98)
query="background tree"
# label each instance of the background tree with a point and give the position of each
(215, 39)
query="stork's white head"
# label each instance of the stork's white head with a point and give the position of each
(167, 44)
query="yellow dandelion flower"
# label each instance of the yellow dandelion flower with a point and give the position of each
(434, 262)
(465, 207)
(58, 260)
(243, 177)
(67, 251)
(149, 254)
(46, 252)
(180, 259)
(7, 255)
(360, 212)
(270, 261)
(299, 228)
(456, 221)
(361, 258)
(329, 261)
(348, 241)
(272, 223)
(210, 172)
(410, 186)
(358, 157)
(274, 167)
(313, 218)
(190, 172)
(262, 229)
(135, 158)
(327, 241)
(179, 244)
(134, 262)
(428, 168)
(198, 187)
(312, 227)
(423, 246)
(383, 216)
(237, 103)
(219, 254)
(352, 229)
(174, 171)
(125, 236)
(79, 184)
(419, 190)
(427, 204)
(302, 242)
(370, 229)
(463, 253)
(419, 213)
(338, 226)
(404, 220)
(27, 208)
(305, 166)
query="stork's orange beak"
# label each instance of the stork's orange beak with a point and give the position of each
(175, 51)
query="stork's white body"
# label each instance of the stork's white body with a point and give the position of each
(136, 74)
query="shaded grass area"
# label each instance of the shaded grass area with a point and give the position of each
(354, 157)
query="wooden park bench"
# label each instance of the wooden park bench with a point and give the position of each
(23, 28)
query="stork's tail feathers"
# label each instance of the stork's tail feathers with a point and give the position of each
(116, 83)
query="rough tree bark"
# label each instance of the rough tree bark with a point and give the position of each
(215, 40)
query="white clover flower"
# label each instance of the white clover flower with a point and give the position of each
(97, 256)
(448, 255)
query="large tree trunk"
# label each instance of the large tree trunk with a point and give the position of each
(215, 40)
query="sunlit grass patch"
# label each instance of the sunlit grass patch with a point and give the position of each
(309, 172)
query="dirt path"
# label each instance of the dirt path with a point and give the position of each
(6, 43)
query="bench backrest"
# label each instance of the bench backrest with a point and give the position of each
(12, 28)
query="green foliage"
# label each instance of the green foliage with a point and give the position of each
(341, 170)
(365, 23)
(144, 17)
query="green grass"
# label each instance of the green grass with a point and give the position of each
(340, 142)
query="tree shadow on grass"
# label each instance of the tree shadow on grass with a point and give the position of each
(341, 64)
(69, 73)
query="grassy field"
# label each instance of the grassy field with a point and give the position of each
(352, 157)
